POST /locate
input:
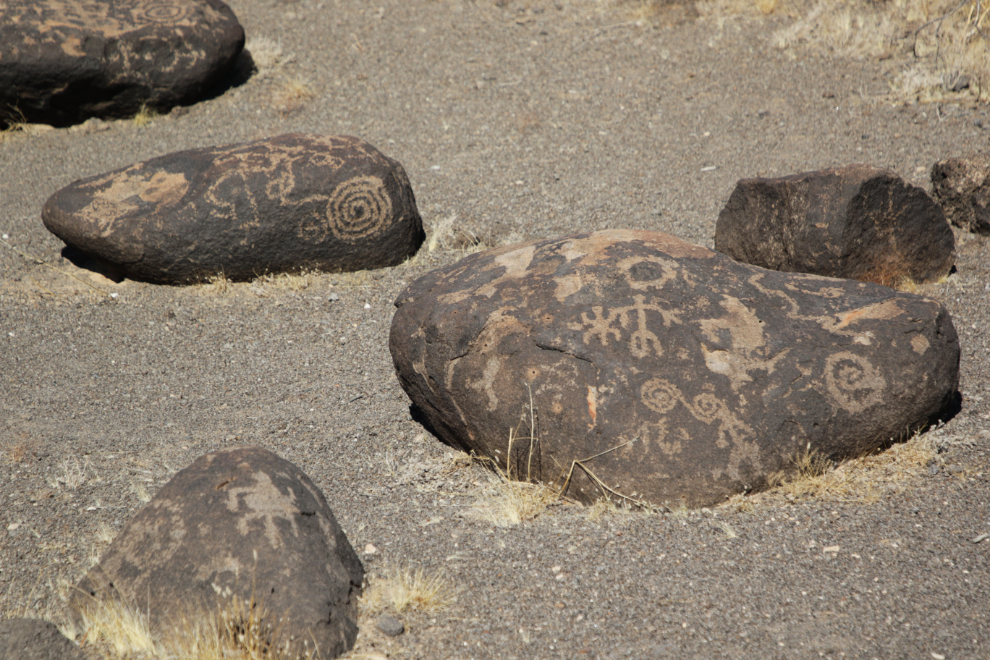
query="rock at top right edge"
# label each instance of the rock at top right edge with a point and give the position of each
(857, 222)
(670, 372)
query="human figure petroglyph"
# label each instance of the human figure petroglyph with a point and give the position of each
(642, 340)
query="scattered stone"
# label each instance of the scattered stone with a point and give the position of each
(239, 525)
(981, 538)
(391, 626)
(857, 222)
(281, 204)
(962, 187)
(66, 61)
(671, 372)
(35, 639)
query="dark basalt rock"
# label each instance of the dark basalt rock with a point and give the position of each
(286, 203)
(35, 639)
(962, 187)
(857, 222)
(238, 523)
(62, 62)
(671, 372)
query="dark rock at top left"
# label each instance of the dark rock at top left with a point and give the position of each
(63, 61)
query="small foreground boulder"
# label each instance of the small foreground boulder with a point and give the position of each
(289, 203)
(662, 371)
(239, 526)
(962, 187)
(35, 639)
(857, 222)
(62, 62)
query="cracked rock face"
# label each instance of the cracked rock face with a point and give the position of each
(63, 61)
(962, 187)
(236, 524)
(858, 222)
(287, 203)
(670, 372)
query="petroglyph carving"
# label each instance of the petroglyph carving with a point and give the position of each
(163, 12)
(359, 208)
(852, 382)
(266, 503)
(660, 395)
(606, 323)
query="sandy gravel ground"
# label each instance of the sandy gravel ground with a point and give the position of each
(517, 121)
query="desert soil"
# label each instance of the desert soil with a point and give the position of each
(514, 120)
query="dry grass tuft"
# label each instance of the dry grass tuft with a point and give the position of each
(298, 281)
(217, 284)
(240, 629)
(944, 46)
(267, 54)
(504, 502)
(444, 235)
(606, 507)
(144, 116)
(865, 479)
(292, 95)
(403, 589)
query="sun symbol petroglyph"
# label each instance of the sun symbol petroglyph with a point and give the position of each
(642, 340)
(853, 382)
(648, 273)
(660, 395)
(359, 208)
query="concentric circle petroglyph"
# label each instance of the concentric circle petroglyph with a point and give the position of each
(660, 395)
(359, 207)
(161, 12)
(853, 382)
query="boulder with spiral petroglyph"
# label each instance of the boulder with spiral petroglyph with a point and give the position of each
(240, 532)
(63, 61)
(287, 203)
(645, 366)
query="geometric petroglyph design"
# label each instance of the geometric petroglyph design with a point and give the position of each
(162, 12)
(642, 341)
(265, 502)
(660, 395)
(853, 382)
(358, 208)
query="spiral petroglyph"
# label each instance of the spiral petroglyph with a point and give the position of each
(359, 208)
(707, 407)
(660, 395)
(853, 382)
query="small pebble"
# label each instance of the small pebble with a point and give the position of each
(978, 539)
(391, 626)
(333, 297)
(370, 549)
(367, 306)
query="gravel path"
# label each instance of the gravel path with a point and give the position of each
(525, 120)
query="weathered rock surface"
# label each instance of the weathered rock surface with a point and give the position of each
(62, 62)
(962, 187)
(286, 203)
(237, 523)
(857, 222)
(35, 639)
(672, 372)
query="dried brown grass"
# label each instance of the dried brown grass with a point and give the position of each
(406, 589)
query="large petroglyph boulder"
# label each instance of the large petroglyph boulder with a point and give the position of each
(962, 188)
(671, 372)
(63, 61)
(286, 203)
(236, 525)
(857, 222)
